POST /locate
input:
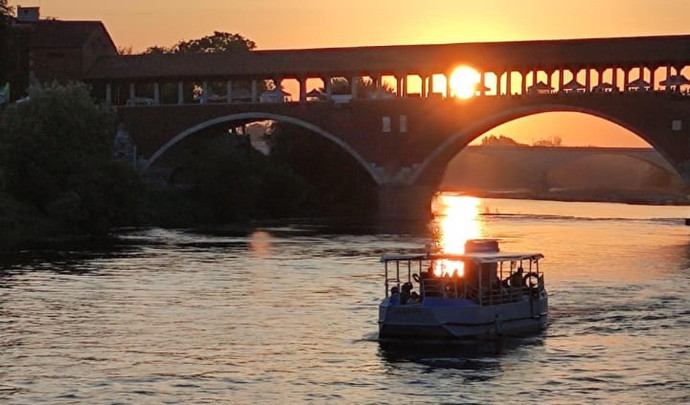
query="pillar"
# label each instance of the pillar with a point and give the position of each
(424, 88)
(255, 91)
(549, 74)
(431, 84)
(132, 93)
(397, 202)
(561, 79)
(524, 82)
(180, 93)
(668, 75)
(353, 87)
(588, 79)
(482, 86)
(652, 70)
(509, 86)
(626, 78)
(498, 83)
(108, 94)
(448, 89)
(329, 88)
(228, 91)
(156, 93)
(302, 90)
(614, 78)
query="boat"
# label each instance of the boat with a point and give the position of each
(478, 294)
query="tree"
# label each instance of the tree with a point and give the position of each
(219, 42)
(5, 19)
(56, 155)
(500, 140)
(216, 43)
(552, 142)
(365, 88)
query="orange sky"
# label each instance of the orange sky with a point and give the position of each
(276, 24)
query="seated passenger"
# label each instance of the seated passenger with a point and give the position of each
(405, 294)
(516, 280)
(395, 296)
(414, 298)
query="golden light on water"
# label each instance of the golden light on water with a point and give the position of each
(463, 81)
(456, 221)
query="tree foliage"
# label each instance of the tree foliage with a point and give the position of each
(500, 140)
(552, 142)
(216, 43)
(56, 152)
(365, 88)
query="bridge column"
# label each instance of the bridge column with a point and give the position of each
(614, 78)
(132, 93)
(204, 92)
(588, 79)
(448, 87)
(108, 94)
(302, 90)
(549, 77)
(180, 93)
(509, 86)
(424, 88)
(668, 74)
(431, 84)
(561, 79)
(626, 78)
(651, 77)
(255, 92)
(353, 87)
(406, 203)
(327, 85)
(524, 82)
(482, 80)
(228, 92)
(156, 93)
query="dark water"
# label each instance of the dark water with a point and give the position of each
(288, 315)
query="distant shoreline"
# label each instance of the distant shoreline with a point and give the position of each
(568, 196)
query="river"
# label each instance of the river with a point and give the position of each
(289, 315)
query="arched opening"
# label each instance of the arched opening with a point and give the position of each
(564, 155)
(244, 166)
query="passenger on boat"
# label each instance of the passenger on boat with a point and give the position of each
(516, 279)
(405, 294)
(395, 295)
(414, 298)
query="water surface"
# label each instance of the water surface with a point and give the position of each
(288, 315)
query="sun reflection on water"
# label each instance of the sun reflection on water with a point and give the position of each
(456, 221)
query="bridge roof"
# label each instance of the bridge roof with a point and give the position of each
(401, 59)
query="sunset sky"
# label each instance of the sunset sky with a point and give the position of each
(284, 24)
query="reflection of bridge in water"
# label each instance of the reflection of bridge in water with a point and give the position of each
(405, 142)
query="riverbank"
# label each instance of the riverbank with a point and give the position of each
(634, 198)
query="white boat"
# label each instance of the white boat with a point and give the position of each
(483, 292)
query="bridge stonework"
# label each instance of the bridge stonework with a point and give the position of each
(406, 144)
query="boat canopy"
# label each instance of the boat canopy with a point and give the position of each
(477, 257)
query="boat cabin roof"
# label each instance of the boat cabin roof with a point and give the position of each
(477, 257)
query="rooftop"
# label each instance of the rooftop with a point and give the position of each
(402, 59)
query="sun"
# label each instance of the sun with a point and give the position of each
(463, 81)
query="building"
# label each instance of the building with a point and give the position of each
(52, 50)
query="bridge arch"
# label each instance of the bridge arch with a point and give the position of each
(431, 170)
(261, 116)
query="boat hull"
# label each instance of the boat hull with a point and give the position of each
(449, 320)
